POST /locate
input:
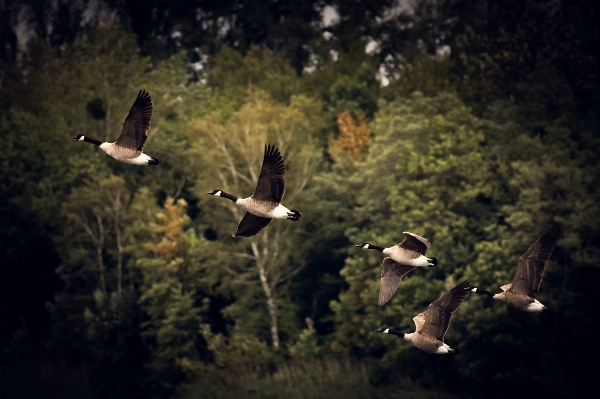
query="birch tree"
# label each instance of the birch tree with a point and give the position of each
(91, 224)
(118, 198)
(230, 151)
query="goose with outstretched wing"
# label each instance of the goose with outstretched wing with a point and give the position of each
(402, 258)
(521, 293)
(129, 146)
(431, 326)
(265, 204)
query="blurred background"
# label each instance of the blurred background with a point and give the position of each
(472, 123)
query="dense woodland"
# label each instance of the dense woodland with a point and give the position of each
(472, 123)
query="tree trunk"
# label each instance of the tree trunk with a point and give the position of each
(119, 255)
(101, 267)
(271, 305)
(99, 250)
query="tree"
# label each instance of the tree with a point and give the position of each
(235, 147)
(541, 164)
(353, 136)
(425, 173)
(173, 293)
(88, 212)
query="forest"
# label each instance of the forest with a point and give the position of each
(475, 124)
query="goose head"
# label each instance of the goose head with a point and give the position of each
(215, 192)
(79, 137)
(363, 245)
(386, 330)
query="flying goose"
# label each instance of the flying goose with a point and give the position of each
(130, 144)
(521, 293)
(265, 204)
(403, 258)
(431, 325)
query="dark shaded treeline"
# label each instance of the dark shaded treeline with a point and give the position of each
(125, 279)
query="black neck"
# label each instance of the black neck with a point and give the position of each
(228, 196)
(396, 332)
(89, 140)
(376, 247)
(483, 292)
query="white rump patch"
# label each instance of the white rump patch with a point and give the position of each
(534, 307)
(442, 350)
(280, 212)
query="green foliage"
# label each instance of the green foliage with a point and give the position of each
(325, 379)
(307, 345)
(173, 292)
(256, 270)
(236, 73)
(349, 84)
(427, 166)
(146, 294)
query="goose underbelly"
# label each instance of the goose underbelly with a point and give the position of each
(406, 257)
(526, 305)
(125, 155)
(141, 159)
(521, 302)
(265, 209)
(430, 345)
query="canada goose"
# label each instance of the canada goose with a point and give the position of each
(130, 144)
(265, 204)
(431, 325)
(521, 293)
(403, 258)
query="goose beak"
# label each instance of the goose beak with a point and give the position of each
(74, 138)
(380, 330)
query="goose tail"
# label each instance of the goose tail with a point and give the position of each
(295, 215)
(453, 352)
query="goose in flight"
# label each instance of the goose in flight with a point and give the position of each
(130, 144)
(403, 258)
(431, 325)
(265, 204)
(521, 293)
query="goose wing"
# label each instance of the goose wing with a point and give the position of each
(135, 127)
(415, 243)
(419, 320)
(251, 224)
(531, 264)
(271, 182)
(391, 274)
(440, 311)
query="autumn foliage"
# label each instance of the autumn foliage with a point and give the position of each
(170, 228)
(354, 134)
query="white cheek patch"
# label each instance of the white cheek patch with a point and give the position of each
(386, 331)
(218, 193)
(474, 290)
(82, 138)
(366, 246)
